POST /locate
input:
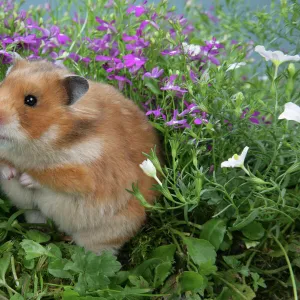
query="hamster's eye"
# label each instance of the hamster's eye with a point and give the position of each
(30, 100)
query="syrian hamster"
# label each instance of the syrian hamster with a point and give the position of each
(70, 148)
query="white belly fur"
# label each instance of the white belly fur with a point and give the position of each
(89, 225)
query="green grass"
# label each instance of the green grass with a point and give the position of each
(215, 233)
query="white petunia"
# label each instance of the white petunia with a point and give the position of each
(191, 49)
(291, 112)
(149, 169)
(235, 66)
(277, 57)
(236, 161)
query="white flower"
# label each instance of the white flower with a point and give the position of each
(149, 169)
(291, 112)
(277, 57)
(236, 161)
(192, 50)
(263, 78)
(235, 66)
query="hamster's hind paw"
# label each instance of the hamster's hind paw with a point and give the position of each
(28, 182)
(7, 172)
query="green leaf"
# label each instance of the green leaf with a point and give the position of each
(152, 85)
(106, 263)
(231, 261)
(52, 248)
(207, 268)
(250, 218)
(190, 282)
(56, 268)
(4, 264)
(33, 249)
(214, 231)
(17, 297)
(138, 281)
(201, 251)
(162, 271)
(253, 231)
(148, 264)
(37, 236)
(96, 282)
(29, 264)
(166, 253)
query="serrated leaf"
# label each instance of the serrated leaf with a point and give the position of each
(56, 268)
(106, 264)
(190, 282)
(253, 231)
(214, 231)
(96, 282)
(37, 236)
(201, 251)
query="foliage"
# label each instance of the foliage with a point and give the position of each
(215, 233)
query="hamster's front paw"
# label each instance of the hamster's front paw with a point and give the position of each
(7, 172)
(28, 182)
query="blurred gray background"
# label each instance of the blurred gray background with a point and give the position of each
(178, 3)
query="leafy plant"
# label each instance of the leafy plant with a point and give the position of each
(215, 233)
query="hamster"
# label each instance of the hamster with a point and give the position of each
(69, 149)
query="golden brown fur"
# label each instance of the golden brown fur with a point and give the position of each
(120, 131)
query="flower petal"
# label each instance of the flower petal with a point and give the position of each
(291, 112)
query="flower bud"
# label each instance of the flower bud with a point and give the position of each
(291, 69)
(148, 168)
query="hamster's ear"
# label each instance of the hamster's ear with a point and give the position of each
(76, 87)
(16, 58)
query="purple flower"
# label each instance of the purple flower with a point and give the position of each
(193, 76)
(22, 15)
(121, 80)
(145, 23)
(171, 87)
(5, 57)
(74, 56)
(104, 26)
(198, 121)
(133, 61)
(171, 52)
(157, 113)
(155, 73)
(137, 9)
(33, 57)
(62, 39)
(103, 58)
(253, 118)
(177, 123)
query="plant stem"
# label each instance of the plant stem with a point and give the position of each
(289, 266)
